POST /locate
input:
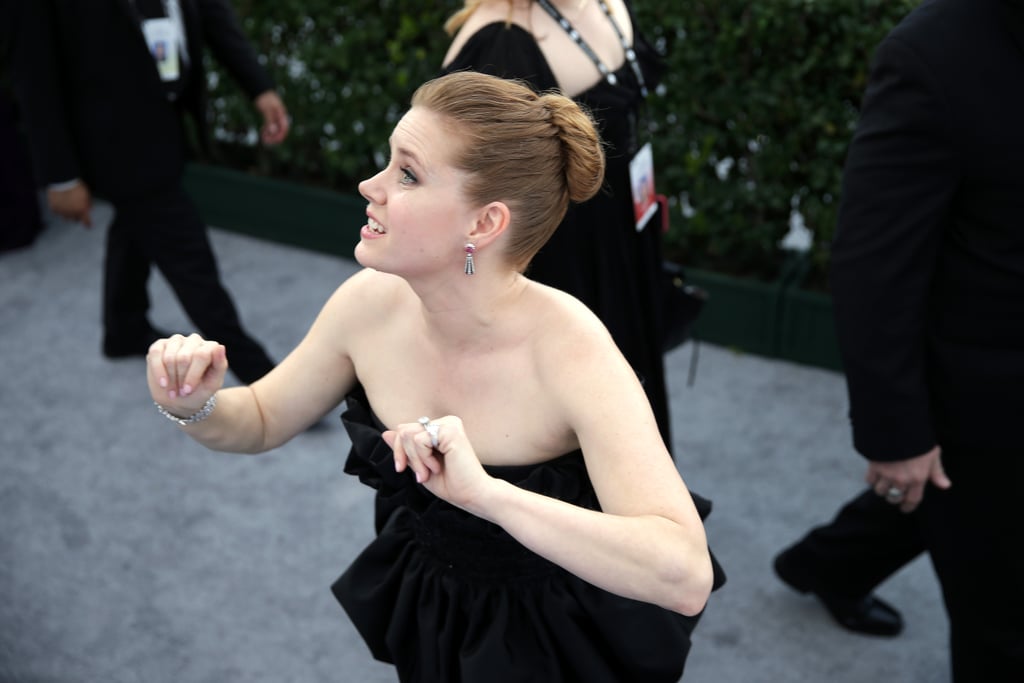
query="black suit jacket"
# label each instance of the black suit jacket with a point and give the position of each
(93, 98)
(928, 262)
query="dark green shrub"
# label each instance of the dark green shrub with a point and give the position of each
(345, 70)
(769, 90)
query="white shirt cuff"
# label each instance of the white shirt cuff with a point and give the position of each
(66, 185)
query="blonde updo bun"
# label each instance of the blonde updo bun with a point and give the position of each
(584, 155)
(533, 152)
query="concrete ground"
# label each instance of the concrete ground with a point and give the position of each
(129, 554)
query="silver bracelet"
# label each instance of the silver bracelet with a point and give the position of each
(198, 416)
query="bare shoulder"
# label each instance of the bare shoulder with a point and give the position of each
(358, 312)
(489, 12)
(316, 375)
(569, 337)
(365, 294)
(580, 363)
(590, 387)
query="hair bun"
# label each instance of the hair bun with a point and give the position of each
(536, 153)
(581, 145)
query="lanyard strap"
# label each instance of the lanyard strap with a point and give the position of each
(174, 14)
(578, 39)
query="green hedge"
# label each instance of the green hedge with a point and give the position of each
(758, 109)
(345, 71)
(751, 123)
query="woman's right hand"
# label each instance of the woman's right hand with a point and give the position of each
(183, 372)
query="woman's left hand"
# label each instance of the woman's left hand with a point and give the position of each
(451, 470)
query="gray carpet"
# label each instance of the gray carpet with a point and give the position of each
(129, 554)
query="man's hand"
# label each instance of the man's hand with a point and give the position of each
(73, 203)
(275, 118)
(902, 482)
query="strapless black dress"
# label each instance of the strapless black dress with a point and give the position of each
(446, 596)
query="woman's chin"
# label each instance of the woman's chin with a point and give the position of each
(361, 256)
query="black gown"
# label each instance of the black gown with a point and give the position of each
(447, 596)
(596, 254)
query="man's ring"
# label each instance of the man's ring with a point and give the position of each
(432, 429)
(895, 494)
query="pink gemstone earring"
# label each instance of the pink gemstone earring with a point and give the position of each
(470, 266)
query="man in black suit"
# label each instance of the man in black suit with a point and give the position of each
(928, 284)
(106, 117)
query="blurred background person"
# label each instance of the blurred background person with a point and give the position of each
(105, 116)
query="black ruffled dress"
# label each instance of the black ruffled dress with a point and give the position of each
(447, 597)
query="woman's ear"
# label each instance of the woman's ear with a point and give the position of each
(491, 222)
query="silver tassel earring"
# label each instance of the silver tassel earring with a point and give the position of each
(470, 266)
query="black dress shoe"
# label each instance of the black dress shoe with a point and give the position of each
(136, 345)
(866, 614)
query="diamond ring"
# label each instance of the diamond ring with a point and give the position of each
(894, 494)
(431, 429)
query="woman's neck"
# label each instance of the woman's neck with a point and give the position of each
(469, 311)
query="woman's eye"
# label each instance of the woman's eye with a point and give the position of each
(408, 178)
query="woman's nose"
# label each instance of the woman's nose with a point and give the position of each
(370, 189)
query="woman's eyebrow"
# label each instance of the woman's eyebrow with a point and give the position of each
(406, 152)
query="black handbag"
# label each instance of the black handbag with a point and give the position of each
(681, 301)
